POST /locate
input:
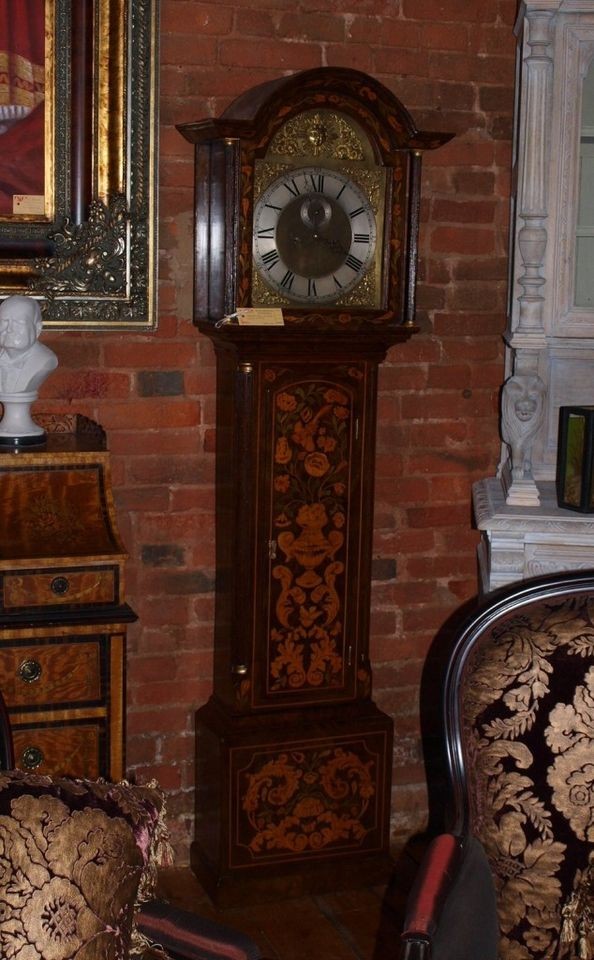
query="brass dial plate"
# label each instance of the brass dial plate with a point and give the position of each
(317, 234)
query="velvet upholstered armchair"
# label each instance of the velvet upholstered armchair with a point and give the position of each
(78, 863)
(514, 876)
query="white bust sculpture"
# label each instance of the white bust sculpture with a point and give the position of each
(24, 362)
(24, 365)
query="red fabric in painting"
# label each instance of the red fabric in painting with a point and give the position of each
(20, 31)
(21, 159)
(22, 144)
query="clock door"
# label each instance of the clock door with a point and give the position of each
(309, 605)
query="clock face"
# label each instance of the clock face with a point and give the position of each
(314, 235)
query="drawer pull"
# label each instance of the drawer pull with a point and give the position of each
(32, 757)
(60, 586)
(30, 671)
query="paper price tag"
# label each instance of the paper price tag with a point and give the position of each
(28, 203)
(260, 316)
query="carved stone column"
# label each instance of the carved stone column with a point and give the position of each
(532, 205)
(524, 392)
(550, 336)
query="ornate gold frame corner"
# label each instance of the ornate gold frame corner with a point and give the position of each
(92, 261)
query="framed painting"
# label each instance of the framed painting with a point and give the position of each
(78, 110)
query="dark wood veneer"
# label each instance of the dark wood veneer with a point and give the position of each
(63, 618)
(293, 772)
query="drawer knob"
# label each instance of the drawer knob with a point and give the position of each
(30, 671)
(60, 586)
(32, 757)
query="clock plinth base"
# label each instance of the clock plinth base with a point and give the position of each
(288, 803)
(229, 890)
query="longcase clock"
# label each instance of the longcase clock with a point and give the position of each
(307, 199)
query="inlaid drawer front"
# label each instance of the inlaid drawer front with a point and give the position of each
(51, 673)
(63, 587)
(62, 750)
(328, 797)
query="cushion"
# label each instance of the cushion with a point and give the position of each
(75, 855)
(528, 703)
(187, 936)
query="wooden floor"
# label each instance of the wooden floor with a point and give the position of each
(349, 925)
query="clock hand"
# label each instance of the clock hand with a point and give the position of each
(326, 242)
(319, 239)
(333, 244)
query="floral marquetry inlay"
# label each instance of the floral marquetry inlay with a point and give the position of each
(62, 507)
(312, 427)
(304, 801)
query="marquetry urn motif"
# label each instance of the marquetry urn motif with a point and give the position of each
(312, 423)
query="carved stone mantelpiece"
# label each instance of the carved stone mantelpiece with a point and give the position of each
(550, 336)
(520, 542)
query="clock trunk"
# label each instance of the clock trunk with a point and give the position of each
(293, 757)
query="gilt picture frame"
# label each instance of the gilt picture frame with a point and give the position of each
(78, 218)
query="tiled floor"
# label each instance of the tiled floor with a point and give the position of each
(349, 925)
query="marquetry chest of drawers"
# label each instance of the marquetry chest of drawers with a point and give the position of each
(63, 617)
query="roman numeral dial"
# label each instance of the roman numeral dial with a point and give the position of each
(314, 235)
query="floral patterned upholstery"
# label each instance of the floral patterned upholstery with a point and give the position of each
(75, 859)
(78, 873)
(527, 703)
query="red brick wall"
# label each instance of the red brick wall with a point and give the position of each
(451, 63)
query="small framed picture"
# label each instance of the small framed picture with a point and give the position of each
(575, 487)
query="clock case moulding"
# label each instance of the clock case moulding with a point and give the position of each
(228, 150)
(295, 472)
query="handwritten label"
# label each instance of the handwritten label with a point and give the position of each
(28, 203)
(260, 316)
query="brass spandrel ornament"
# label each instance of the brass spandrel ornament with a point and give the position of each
(363, 293)
(264, 296)
(322, 135)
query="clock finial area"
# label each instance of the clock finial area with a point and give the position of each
(333, 139)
